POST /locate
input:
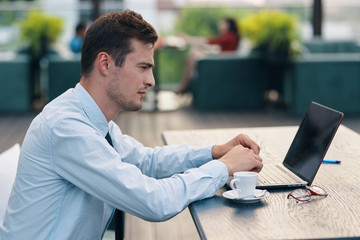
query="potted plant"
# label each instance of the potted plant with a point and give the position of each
(273, 34)
(37, 32)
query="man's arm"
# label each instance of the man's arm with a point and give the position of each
(168, 160)
(87, 161)
(159, 162)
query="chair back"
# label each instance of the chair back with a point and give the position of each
(8, 166)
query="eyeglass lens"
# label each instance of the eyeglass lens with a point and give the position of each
(317, 191)
(300, 194)
(305, 194)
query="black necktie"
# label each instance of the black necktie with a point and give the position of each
(119, 215)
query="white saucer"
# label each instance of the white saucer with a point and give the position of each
(258, 194)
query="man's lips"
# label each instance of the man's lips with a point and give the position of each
(142, 92)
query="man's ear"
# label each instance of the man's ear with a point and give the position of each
(103, 61)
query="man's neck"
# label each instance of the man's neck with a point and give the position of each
(99, 96)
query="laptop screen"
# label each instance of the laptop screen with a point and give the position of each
(312, 140)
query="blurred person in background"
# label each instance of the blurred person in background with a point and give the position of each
(75, 44)
(227, 41)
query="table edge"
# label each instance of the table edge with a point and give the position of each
(196, 221)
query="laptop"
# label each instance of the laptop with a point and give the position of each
(306, 153)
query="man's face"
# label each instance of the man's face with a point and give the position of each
(130, 82)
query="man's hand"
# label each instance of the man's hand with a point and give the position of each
(240, 158)
(220, 150)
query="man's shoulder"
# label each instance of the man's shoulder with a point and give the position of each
(66, 106)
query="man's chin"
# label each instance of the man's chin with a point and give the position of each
(138, 108)
(134, 107)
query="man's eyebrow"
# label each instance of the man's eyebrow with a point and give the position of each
(149, 65)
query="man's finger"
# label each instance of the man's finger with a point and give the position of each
(249, 143)
(258, 167)
(258, 158)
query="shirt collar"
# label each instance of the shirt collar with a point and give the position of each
(91, 109)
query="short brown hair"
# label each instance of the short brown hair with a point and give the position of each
(112, 33)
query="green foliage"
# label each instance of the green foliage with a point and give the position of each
(170, 65)
(271, 30)
(6, 17)
(200, 21)
(203, 21)
(39, 27)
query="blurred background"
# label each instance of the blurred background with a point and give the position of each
(284, 36)
(289, 53)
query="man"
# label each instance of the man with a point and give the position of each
(70, 178)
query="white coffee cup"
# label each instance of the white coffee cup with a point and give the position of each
(244, 183)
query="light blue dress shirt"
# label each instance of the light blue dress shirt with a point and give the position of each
(69, 179)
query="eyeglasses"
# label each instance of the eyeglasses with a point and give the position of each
(304, 194)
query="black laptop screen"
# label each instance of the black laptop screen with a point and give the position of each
(312, 140)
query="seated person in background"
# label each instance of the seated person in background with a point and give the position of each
(75, 44)
(227, 41)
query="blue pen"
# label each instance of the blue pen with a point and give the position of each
(332, 161)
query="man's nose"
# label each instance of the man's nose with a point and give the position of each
(150, 80)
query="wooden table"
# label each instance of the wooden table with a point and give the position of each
(276, 217)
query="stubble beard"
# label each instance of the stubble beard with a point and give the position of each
(115, 94)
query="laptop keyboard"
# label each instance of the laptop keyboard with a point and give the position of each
(274, 174)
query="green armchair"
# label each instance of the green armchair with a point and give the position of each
(231, 82)
(63, 74)
(330, 75)
(14, 84)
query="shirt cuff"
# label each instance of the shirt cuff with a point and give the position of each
(218, 171)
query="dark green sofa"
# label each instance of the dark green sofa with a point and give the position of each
(329, 73)
(330, 46)
(14, 83)
(229, 82)
(64, 73)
